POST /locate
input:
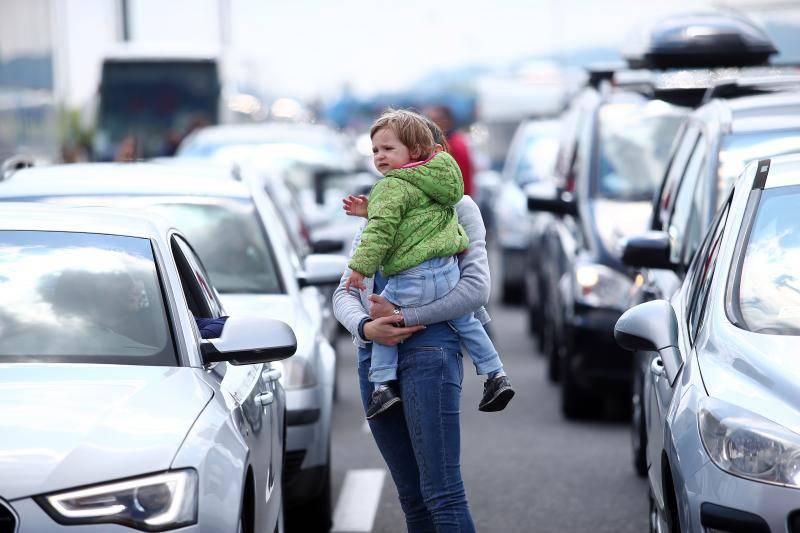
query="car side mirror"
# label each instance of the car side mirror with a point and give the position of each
(648, 250)
(652, 327)
(326, 246)
(561, 204)
(248, 340)
(322, 269)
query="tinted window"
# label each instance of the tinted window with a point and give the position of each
(683, 242)
(768, 296)
(195, 280)
(81, 297)
(634, 143)
(738, 149)
(677, 165)
(231, 242)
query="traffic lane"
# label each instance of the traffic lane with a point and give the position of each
(525, 468)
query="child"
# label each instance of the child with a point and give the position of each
(412, 236)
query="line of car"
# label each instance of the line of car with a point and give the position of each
(129, 264)
(644, 207)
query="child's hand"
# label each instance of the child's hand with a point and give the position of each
(355, 206)
(356, 279)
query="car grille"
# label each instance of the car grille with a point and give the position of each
(8, 521)
(794, 522)
(291, 467)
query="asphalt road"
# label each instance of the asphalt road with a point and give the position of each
(526, 469)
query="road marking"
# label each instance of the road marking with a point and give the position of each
(358, 501)
(365, 428)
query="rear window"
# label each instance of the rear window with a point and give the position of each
(766, 297)
(81, 298)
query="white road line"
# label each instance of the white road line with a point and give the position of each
(365, 428)
(358, 502)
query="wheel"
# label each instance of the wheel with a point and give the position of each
(316, 515)
(655, 524)
(512, 293)
(550, 349)
(576, 401)
(638, 424)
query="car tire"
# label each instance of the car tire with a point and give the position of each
(576, 401)
(549, 345)
(317, 513)
(512, 293)
(638, 424)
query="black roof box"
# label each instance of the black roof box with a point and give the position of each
(702, 40)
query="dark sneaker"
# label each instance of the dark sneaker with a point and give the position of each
(497, 392)
(382, 400)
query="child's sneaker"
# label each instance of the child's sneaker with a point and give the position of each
(383, 398)
(497, 392)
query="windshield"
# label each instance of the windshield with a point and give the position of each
(738, 149)
(155, 102)
(768, 297)
(231, 243)
(633, 148)
(81, 298)
(537, 156)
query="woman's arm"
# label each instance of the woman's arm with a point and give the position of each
(472, 290)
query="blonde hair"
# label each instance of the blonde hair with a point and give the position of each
(411, 129)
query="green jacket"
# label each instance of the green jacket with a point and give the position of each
(411, 218)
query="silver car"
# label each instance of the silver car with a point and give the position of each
(722, 400)
(117, 415)
(237, 233)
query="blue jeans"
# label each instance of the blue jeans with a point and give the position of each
(421, 285)
(421, 443)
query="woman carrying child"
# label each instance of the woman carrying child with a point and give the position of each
(411, 236)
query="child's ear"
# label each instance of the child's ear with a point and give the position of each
(416, 153)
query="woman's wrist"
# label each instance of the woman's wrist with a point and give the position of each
(362, 328)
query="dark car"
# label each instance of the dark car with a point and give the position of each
(622, 144)
(712, 148)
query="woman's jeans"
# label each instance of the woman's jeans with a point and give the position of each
(421, 285)
(421, 443)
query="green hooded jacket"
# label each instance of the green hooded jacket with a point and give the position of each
(412, 218)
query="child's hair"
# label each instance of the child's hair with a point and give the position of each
(411, 128)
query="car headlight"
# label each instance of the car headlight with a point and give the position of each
(600, 286)
(748, 445)
(297, 373)
(151, 503)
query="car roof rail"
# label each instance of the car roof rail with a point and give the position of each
(738, 88)
(14, 163)
(602, 72)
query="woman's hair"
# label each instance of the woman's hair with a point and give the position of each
(412, 129)
(438, 134)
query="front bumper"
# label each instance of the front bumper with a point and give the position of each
(593, 356)
(725, 502)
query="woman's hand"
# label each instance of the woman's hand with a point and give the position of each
(384, 331)
(356, 206)
(380, 306)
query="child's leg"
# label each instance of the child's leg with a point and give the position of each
(383, 367)
(480, 347)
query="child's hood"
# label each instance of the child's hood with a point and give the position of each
(439, 178)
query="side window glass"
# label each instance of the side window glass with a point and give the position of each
(694, 229)
(703, 272)
(684, 203)
(203, 300)
(677, 166)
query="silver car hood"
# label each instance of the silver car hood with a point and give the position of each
(758, 372)
(66, 425)
(278, 306)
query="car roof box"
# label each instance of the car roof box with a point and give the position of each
(739, 87)
(702, 40)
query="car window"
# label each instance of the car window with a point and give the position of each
(231, 242)
(200, 294)
(677, 166)
(633, 143)
(703, 270)
(81, 298)
(738, 149)
(536, 156)
(768, 295)
(685, 204)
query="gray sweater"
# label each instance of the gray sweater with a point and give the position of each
(471, 292)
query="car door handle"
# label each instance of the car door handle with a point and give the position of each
(264, 399)
(657, 368)
(271, 375)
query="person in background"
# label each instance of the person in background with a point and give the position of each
(456, 142)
